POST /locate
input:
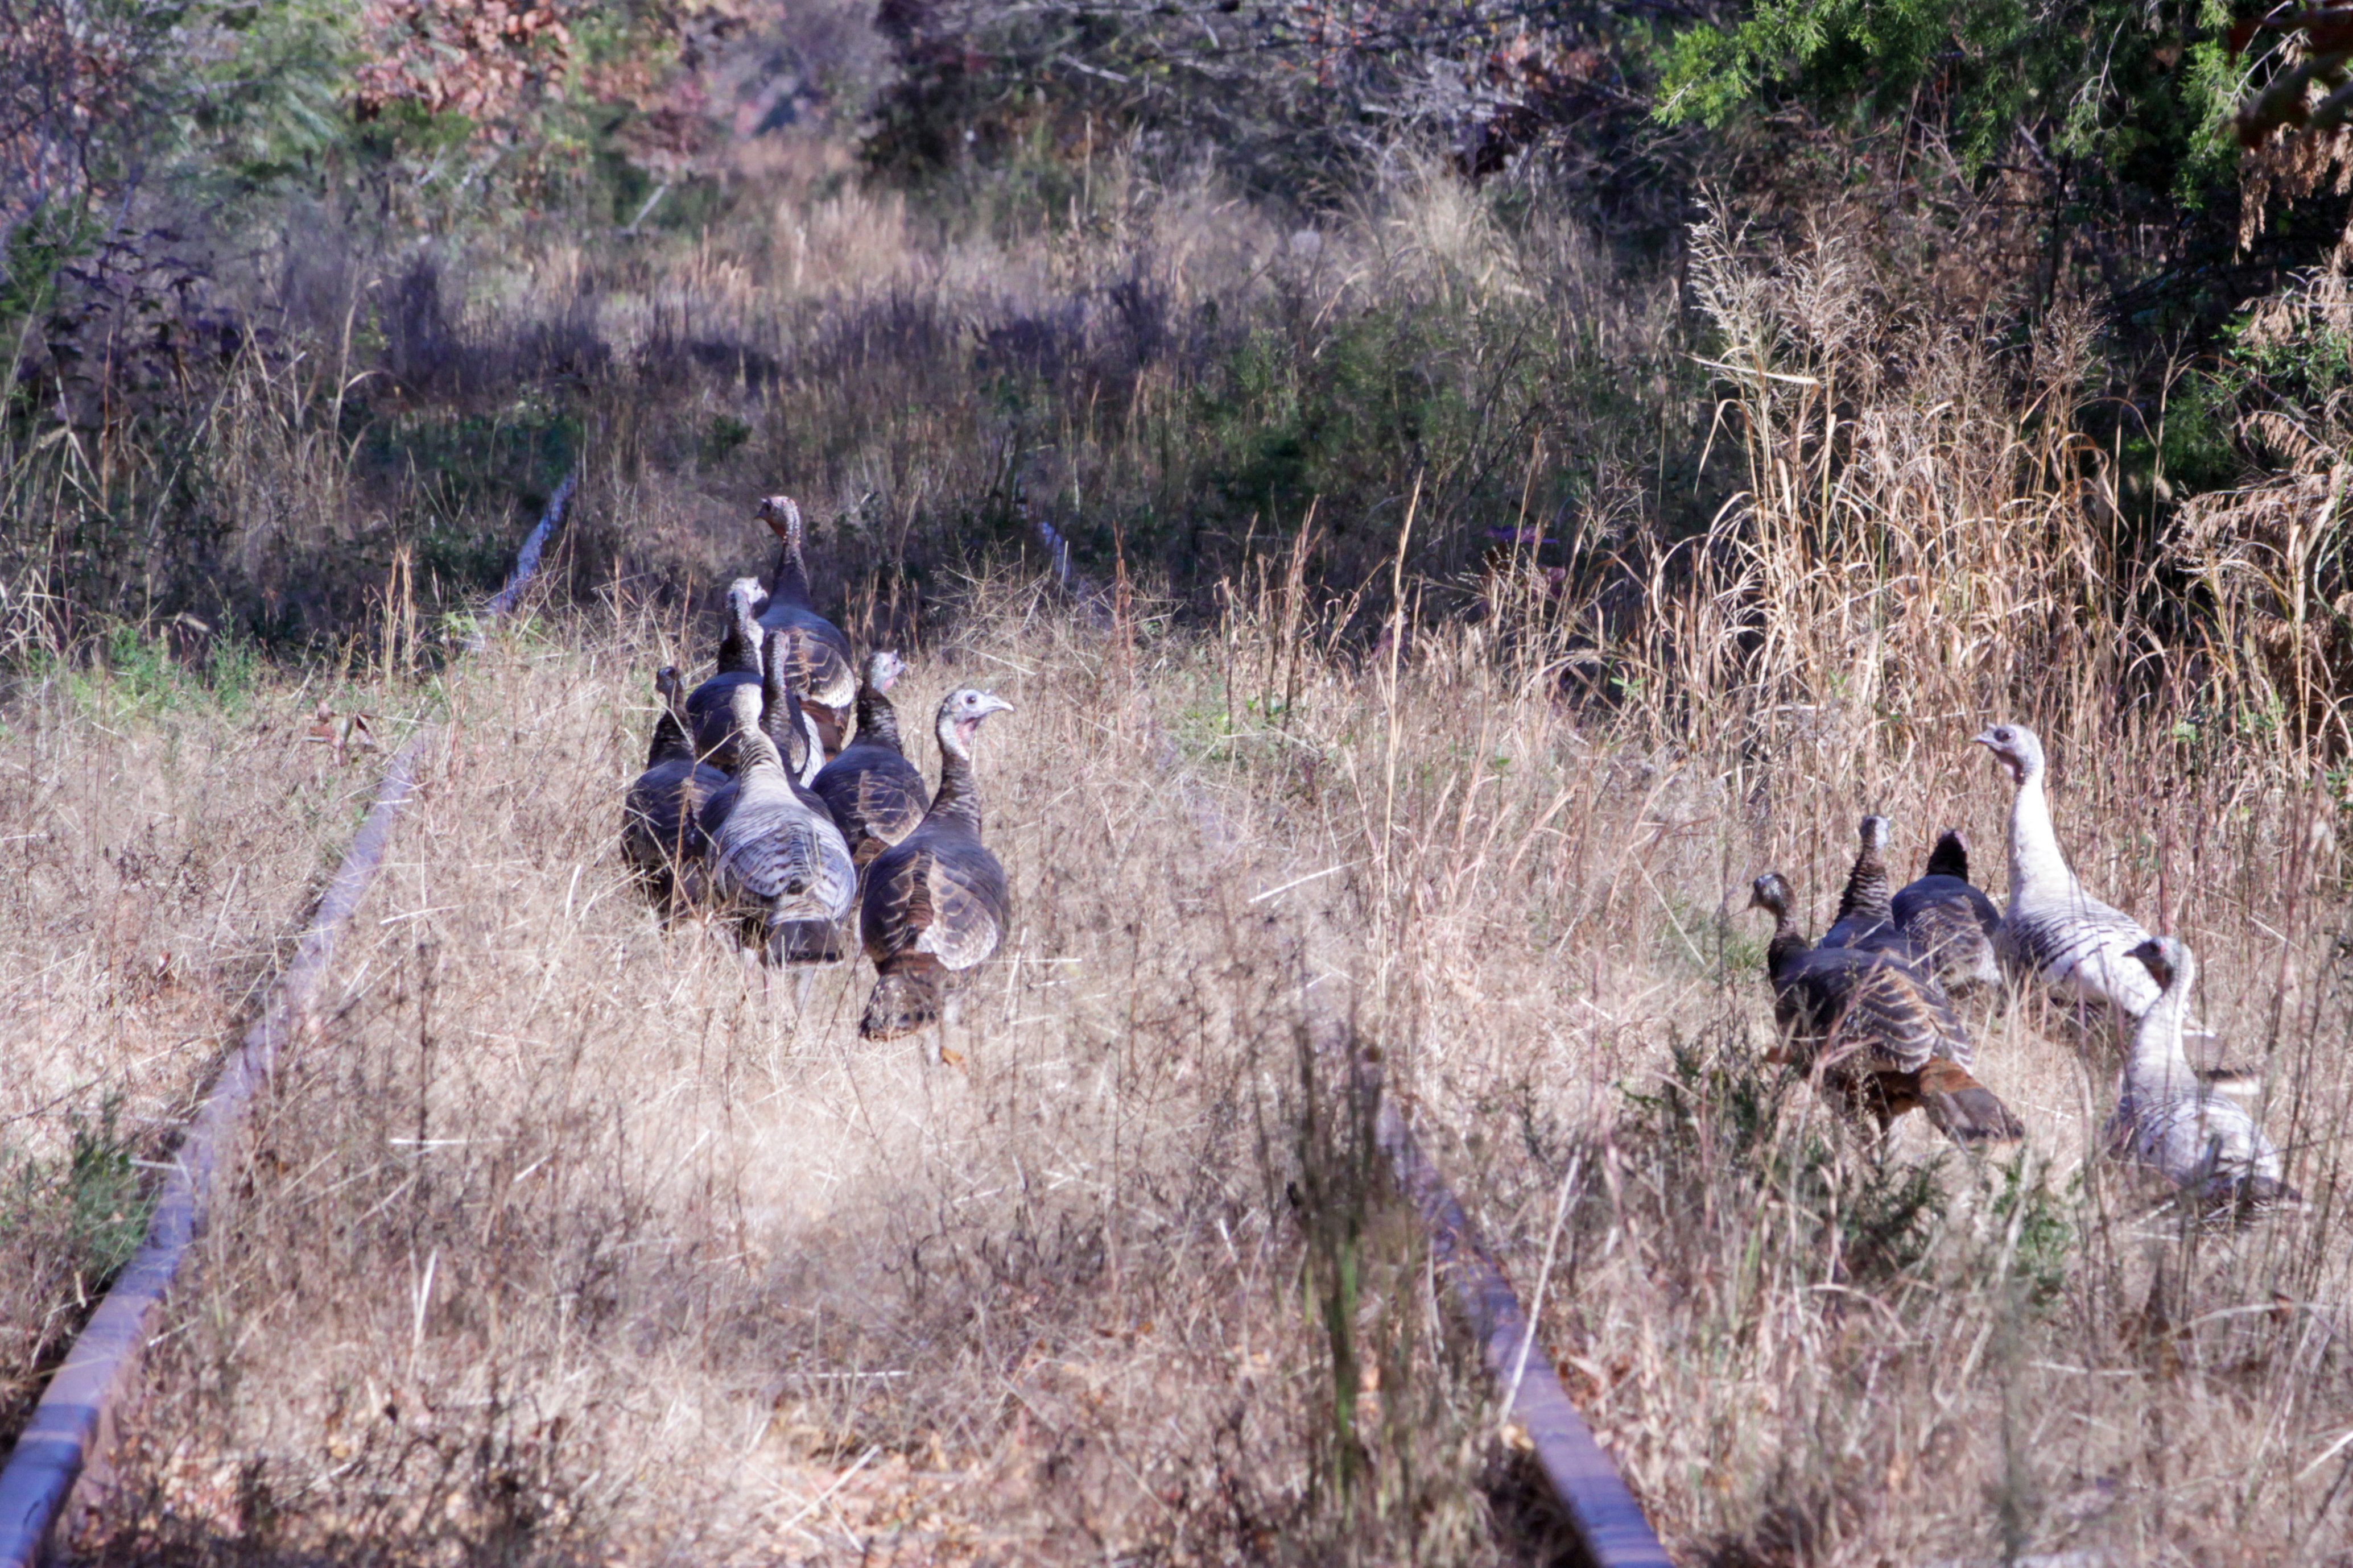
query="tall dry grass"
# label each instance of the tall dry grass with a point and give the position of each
(1164, 370)
(570, 1238)
(1802, 1349)
(160, 833)
(567, 1238)
(1799, 1348)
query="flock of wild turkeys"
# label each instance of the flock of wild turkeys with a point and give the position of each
(753, 808)
(757, 805)
(1870, 1009)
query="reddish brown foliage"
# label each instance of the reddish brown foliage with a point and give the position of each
(62, 83)
(486, 59)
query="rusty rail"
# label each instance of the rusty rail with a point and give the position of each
(1608, 1525)
(1603, 1513)
(62, 1450)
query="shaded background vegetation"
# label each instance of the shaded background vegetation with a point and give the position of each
(1184, 302)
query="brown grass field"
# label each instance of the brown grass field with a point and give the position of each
(161, 841)
(565, 1238)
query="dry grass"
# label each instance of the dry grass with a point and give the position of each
(568, 1238)
(1165, 371)
(579, 1237)
(1800, 1351)
(161, 836)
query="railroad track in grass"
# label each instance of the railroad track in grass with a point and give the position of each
(1607, 1524)
(1594, 1499)
(59, 1465)
(60, 1457)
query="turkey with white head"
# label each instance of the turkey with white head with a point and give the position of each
(935, 903)
(2057, 933)
(2204, 1143)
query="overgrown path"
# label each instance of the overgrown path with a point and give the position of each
(569, 1231)
(560, 1208)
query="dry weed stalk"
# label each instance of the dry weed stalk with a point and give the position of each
(2271, 557)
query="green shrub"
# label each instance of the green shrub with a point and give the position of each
(83, 1213)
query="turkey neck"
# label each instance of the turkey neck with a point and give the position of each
(792, 574)
(1866, 889)
(780, 710)
(877, 719)
(1786, 945)
(669, 741)
(1949, 859)
(789, 736)
(2158, 1067)
(958, 798)
(740, 648)
(758, 754)
(2035, 863)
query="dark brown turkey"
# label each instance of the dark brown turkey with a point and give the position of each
(935, 903)
(820, 669)
(1950, 921)
(710, 710)
(876, 795)
(1878, 1032)
(662, 836)
(1864, 918)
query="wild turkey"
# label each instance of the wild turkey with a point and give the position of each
(875, 794)
(1879, 1031)
(662, 834)
(776, 859)
(1864, 919)
(2056, 932)
(782, 717)
(710, 710)
(820, 672)
(935, 902)
(1951, 923)
(2204, 1143)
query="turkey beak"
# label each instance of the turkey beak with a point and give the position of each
(1986, 740)
(993, 704)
